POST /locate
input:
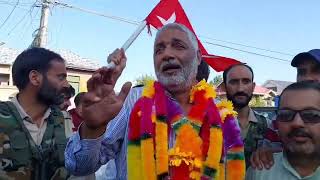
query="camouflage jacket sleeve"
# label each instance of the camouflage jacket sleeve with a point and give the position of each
(269, 132)
(9, 168)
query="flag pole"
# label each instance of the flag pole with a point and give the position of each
(208, 56)
(132, 38)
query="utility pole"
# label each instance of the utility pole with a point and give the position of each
(41, 38)
(43, 30)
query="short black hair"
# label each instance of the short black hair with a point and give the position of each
(225, 72)
(303, 85)
(37, 59)
(203, 71)
(69, 91)
(78, 98)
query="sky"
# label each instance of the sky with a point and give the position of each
(287, 26)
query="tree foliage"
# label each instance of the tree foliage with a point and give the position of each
(257, 101)
(216, 80)
(143, 79)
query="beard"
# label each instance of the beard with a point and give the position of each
(49, 95)
(239, 104)
(182, 78)
(292, 148)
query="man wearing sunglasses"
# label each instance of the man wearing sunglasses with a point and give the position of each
(298, 121)
(308, 69)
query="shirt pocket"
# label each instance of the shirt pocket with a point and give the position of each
(20, 152)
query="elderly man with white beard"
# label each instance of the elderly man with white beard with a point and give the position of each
(169, 129)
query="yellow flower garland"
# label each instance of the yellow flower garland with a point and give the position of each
(210, 91)
(161, 147)
(226, 108)
(144, 163)
(149, 90)
(148, 163)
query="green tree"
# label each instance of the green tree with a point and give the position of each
(257, 101)
(216, 80)
(143, 79)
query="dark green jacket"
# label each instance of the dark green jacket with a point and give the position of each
(21, 158)
(255, 135)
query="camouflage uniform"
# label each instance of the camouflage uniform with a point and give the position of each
(21, 157)
(68, 124)
(255, 133)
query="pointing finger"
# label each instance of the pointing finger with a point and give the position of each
(124, 91)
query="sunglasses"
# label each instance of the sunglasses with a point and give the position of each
(307, 115)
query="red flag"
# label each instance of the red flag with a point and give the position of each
(170, 11)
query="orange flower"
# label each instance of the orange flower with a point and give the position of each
(161, 147)
(147, 158)
(188, 140)
(187, 149)
(236, 170)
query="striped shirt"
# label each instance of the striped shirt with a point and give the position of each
(85, 156)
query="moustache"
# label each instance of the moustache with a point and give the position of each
(240, 94)
(169, 64)
(299, 132)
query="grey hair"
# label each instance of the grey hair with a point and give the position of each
(192, 37)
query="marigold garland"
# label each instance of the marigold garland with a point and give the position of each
(161, 147)
(221, 171)
(148, 90)
(188, 152)
(161, 133)
(134, 158)
(235, 160)
(226, 109)
(236, 169)
(209, 90)
(148, 163)
(215, 151)
(198, 149)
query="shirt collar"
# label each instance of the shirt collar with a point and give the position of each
(287, 166)
(252, 116)
(22, 112)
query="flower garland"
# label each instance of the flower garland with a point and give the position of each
(198, 150)
(226, 109)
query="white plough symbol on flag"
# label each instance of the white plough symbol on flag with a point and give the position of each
(171, 19)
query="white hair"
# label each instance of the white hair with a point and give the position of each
(191, 36)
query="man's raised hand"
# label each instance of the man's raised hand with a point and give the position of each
(100, 103)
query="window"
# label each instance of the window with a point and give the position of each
(74, 81)
(274, 89)
(4, 79)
